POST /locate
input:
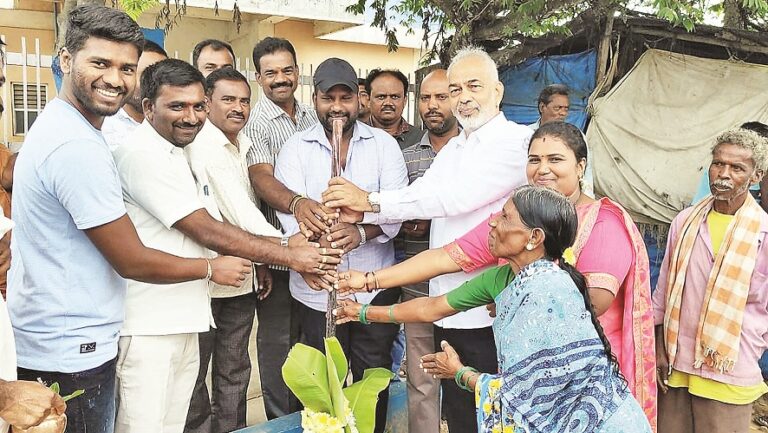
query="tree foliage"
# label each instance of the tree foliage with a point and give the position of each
(169, 15)
(497, 24)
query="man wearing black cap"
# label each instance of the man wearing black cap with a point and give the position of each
(370, 157)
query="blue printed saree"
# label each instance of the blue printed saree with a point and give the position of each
(554, 376)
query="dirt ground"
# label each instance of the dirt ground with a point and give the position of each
(759, 408)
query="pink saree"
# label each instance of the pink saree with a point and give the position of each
(628, 322)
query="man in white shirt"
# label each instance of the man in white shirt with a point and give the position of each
(372, 158)
(118, 126)
(217, 159)
(469, 179)
(158, 358)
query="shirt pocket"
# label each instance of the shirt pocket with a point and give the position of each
(758, 291)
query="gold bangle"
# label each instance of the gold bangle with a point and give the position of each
(209, 272)
(375, 281)
(294, 201)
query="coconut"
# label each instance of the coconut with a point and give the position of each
(51, 424)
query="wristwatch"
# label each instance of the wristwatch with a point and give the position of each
(375, 201)
(363, 237)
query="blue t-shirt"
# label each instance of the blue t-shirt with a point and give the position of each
(65, 300)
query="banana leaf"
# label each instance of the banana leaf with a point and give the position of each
(334, 350)
(333, 355)
(364, 394)
(305, 372)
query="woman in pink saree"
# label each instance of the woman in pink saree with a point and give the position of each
(608, 251)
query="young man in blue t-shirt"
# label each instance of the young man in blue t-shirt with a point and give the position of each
(73, 242)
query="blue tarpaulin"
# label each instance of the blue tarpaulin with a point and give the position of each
(524, 82)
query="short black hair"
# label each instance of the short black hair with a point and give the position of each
(101, 22)
(153, 47)
(759, 127)
(230, 74)
(376, 73)
(361, 81)
(171, 72)
(553, 89)
(215, 44)
(270, 45)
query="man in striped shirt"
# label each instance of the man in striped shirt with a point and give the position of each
(434, 105)
(274, 118)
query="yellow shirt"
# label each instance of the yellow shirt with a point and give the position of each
(718, 224)
(718, 391)
(708, 388)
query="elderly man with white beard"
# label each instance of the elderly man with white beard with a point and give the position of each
(469, 179)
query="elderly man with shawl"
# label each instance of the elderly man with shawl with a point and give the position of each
(711, 310)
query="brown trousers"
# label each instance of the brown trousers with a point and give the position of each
(681, 412)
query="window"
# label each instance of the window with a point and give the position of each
(32, 109)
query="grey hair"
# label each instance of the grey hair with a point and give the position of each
(749, 140)
(473, 51)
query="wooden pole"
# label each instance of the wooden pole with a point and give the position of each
(338, 128)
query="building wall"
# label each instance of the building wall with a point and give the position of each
(15, 74)
(363, 57)
(183, 37)
(180, 40)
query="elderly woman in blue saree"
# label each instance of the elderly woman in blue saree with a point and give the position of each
(556, 372)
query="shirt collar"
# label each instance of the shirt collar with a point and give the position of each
(401, 129)
(150, 133)
(273, 111)
(404, 127)
(212, 134)
(486, 131)
(424, 142)
(121, 113)
(316, 134)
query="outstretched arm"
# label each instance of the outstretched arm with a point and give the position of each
(481, 290)
(419, 310)
(421, 267)
(119, 243)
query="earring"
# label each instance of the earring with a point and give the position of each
(529, 247)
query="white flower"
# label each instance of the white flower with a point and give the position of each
(320, 422)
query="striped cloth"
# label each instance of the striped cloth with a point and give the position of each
(418, 158)
(269, 127)
(719, 330)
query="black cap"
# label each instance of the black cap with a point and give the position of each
(333, 72)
